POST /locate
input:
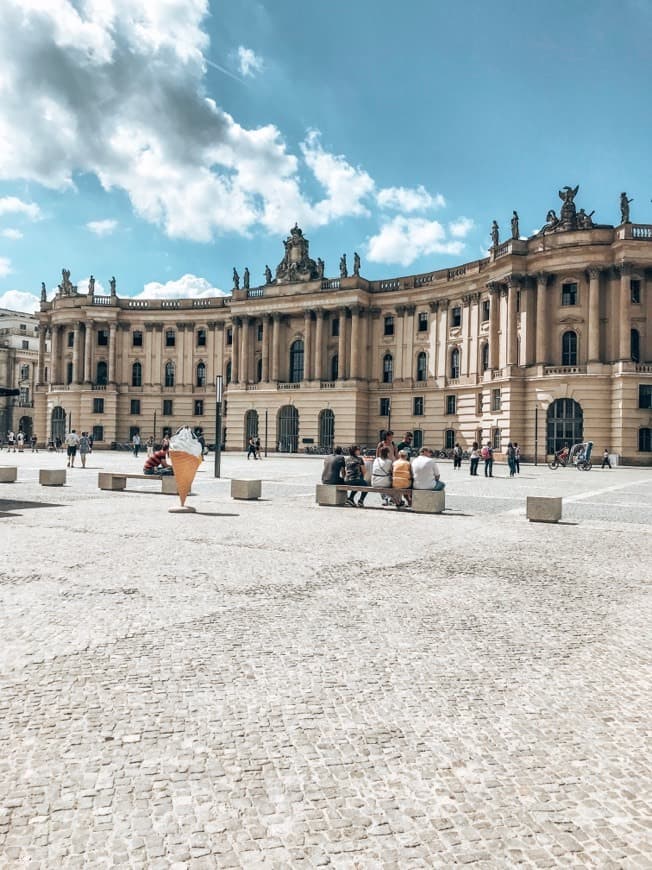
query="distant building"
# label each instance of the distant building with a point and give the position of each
(18, 366)
(546, 341)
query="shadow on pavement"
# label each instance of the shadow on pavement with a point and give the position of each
(8, 505)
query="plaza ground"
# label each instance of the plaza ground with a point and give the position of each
(275, 684)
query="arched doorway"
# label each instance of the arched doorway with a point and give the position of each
(287, 430)
(251, 426)
(326, 429)
(565, 424)
(58, 423)
(25, 425)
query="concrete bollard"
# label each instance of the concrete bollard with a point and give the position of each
(52, 476)
(246, 489)
(543, 510)
(8, 473)
(428, 501)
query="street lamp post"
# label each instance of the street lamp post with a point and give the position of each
(219, 387)
(266, 416)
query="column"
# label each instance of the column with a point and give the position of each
(624, 335)
(434, 340)
(355, 344)
(76, 379)
(180, 354)
(513, 285)
(594, 314)
(54, 355)
(494, 324)
(244, 349)
(341, 345)
(235, 350)
(319, 346)
(307, 346)
(443, 332)
(157, 356)
(466, 331)
(528, 332)
(359, 349)
(40, 376)
(112, 333)
(276, 347)
(148, 367)
(542, 326)
(267, 326)
(88, 351)
(408, 341)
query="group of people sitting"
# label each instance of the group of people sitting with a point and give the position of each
(394, 467)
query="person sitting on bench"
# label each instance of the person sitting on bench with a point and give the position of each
(157, 464)
(354, 475)
(402, 475)
(426, 471)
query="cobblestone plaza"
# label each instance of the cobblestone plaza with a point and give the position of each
(273, 684)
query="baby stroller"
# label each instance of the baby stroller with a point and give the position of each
(582, 459)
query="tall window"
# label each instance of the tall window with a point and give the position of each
(417, 439)
(296, 361)
(384, 407)
(98, 433)
(635, 290)
(103, 337)
(101, 374)
(201, 338)
(484, 357)
(326, 423)
(71, 339)
(199, 407)
(496, 400)
(24, 373)
(417, 406)
(389, 325)
(201, 374)
(136, 375)
(69, 373)
(135, 406)
(388, 368)
(645, 395)
(423, 321)
(449, 439)
(456, 316)
(569, 294)
(486, 306)
(227, 373)
(167, 407)
(451, 404)
(170, 338)
(455, 363)
(137, 338)
(335, 367)
(569, 348)
(422, 362)
(259, 370)
(335, 327)
(645, 440)
(98, 406)
(229, 336)
(169, 374)
(635, 345)
(495, 439)
(479, 407)
(259, 331)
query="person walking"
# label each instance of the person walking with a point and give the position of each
(34, 443)
(149, 444)
(517, 457)
(406, 444)
(20, 440)
(72, 443)
(252, 448)
(136, 444)
(475, 459)
(511, 459)
(488, 456)
(457, 456)
(11, 442)
(84, 448)
(258, 456)
(606, 462)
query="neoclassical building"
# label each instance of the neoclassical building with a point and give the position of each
(548, 340)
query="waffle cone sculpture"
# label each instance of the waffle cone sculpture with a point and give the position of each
(185, 467)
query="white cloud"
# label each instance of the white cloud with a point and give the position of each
(186, 287)
(249, 62)
(403, 240)
(102, 228)
(5, 267)
(460, 228)
(11, 233)
(407, 199)
(18, 300)
(13, 205)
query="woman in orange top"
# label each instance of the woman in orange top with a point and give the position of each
(402, 474)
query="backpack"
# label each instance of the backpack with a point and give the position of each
(485, 453)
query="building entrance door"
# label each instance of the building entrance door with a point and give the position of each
(326, 429)
(251, 426)
(287, 432)
(58, 424)
(565, 425)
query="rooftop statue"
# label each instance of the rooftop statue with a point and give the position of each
(356, 264)
(44, 292)
(515, 225)
(624, 208)
(91, 286)
(584, 221)
(320, 267)
(66, 288)
(268, 275)
(568, 216)
(245, 278)
(236, 279)
(495, 234)
(112, 285)
(344, 272)
(296, 265)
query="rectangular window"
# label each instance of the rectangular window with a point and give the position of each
(69, 373)
(136, 338)
(229, 336)
(449, 439)
(480, 404)
(384, 408)
(389, 325)
(103, 337)
(417, 439)
(335, 327)
(495, 439)
(24, 373)
(645, 396)
(485, 310)
(98, 406)
(456, 316)
(518, 301)
(170, 338)
(199, 407)
(569, 294)
(451, 404)
(423, 321)
(23, 327)
(23, 399)
(417, 406)
(167, 407)
(71, 339)
(135, 406)
(25, 345)
(201, 338)
(259, 332)
(495, 400)
(635, 290)
(98, 433)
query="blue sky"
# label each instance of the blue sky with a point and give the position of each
(166, 142)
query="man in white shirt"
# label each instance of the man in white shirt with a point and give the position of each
(425, 471)
(72, 443)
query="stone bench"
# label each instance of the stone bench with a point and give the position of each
(424, 501)
(543, 510)
(118, 482)
(8, 473)
(248, 490)
(52, 476)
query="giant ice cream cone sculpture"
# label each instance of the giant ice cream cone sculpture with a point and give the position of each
(185, 455)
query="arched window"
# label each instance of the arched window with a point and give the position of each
(388, 368)
(635, 345)
(251, 426)
(645, 440)
(455, 363)
(422, 363)
(227, 373)
(287, 429)
(169, 374)
(565, 424)
(484, 357)
(569, 348)
(101, 374)
(136, 375)
(201, 374)
(326, 428)
(335, 367)
(296, 361)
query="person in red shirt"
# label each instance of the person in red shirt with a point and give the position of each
(157, 464)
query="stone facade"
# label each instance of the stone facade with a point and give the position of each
(483, 351)
(18, 367)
